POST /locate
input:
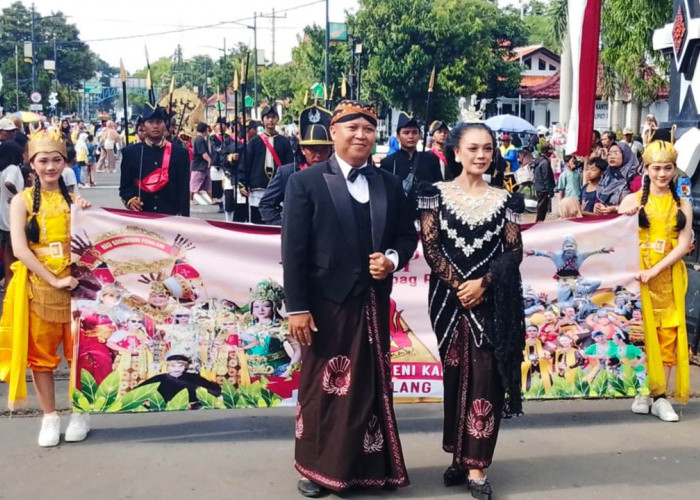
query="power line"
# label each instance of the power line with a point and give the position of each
(194, 28)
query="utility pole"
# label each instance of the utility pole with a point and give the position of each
(255, 61)
(274, 17)
(33, 53)
(17, 77)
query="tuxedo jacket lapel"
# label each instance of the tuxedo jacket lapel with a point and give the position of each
(377, 208)
(342, 201)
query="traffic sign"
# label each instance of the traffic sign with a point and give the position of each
(35, 97)
(93, 87)
(249, 101)
(219, 106)
(36, 107)
(52, 99)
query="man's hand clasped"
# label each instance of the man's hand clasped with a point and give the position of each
(380, 266)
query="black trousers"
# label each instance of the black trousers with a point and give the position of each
(543, 199)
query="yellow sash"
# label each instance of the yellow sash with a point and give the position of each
(655, 369)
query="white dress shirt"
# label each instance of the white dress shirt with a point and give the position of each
(359, 190)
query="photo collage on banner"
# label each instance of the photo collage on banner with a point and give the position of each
(584, 336)
(176, 314)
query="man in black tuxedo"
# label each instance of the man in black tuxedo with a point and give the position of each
(346, 228)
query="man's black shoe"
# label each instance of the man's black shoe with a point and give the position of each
(310, 489)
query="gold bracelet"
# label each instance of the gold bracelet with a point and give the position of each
(126, 204)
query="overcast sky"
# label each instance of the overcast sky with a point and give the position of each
(121, 28)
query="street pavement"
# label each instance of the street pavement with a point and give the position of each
(558, 450)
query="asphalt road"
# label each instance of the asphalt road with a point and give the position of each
(558, 450)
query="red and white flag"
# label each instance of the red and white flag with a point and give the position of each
(584, 33)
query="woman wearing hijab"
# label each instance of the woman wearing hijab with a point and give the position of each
(617, 180)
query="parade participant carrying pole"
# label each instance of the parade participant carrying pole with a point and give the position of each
(243, 160)
(431, 86)
(122, 75)
(236, 133)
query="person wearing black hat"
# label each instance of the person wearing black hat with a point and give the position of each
(222, 147)
(346, 228)
(410, 165)
(265, 153)
(439, 131)
(316, 146)
(155, 173)
(234, 203)
(178, 378)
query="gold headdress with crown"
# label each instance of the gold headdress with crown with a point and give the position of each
(658, 151)
(44, 141)
(268, 290)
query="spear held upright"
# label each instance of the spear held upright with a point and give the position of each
(431, 86)
(122, 75)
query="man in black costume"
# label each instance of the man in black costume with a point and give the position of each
(178, 378)
(347, 227)
(315, 146)
(410, 165)
(155, 173)
(265, 153)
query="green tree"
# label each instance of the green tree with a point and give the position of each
(469, 41)
(627, 27)
(54, 39)
(538, 25)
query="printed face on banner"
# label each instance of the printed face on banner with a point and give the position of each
(584, 334)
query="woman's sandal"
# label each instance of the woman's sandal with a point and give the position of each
(480, 488)
(454, 475)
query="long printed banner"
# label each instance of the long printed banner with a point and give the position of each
(175, 314)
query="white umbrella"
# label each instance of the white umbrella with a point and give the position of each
(511, 124)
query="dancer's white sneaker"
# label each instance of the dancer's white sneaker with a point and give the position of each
(641, 404)
(662, 408)
(78, 427)
(50, 433)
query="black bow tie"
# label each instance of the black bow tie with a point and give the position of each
(366, 171)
